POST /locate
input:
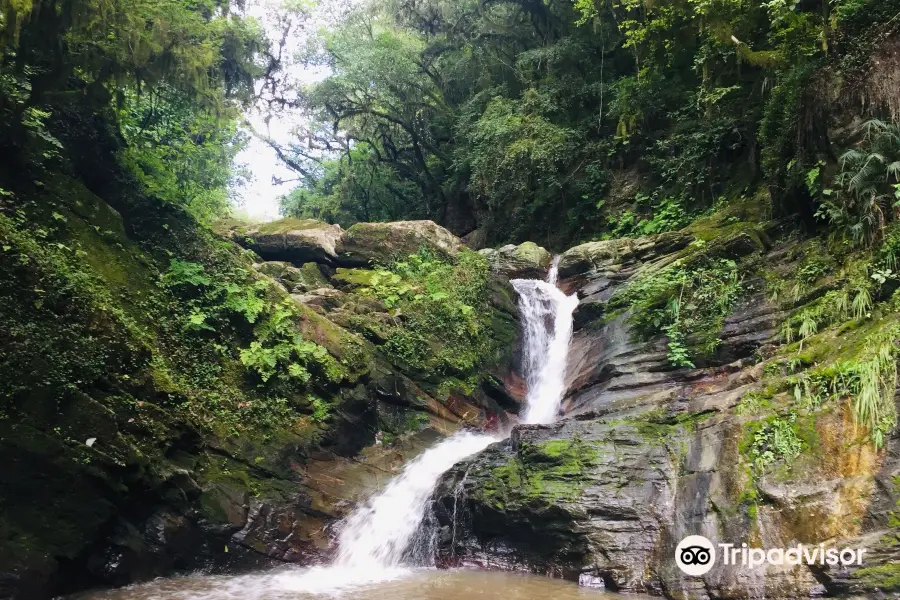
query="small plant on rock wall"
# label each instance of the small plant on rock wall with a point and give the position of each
(278, 350)
(775, 441)
(867, 382)
(686, 304)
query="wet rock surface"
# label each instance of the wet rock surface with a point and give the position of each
(648, 454)
(525, 261)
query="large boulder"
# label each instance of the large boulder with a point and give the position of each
(525, 261)
(292, 240)
(299, 241)
(367, 243)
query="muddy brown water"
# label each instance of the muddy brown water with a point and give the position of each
(328, 583)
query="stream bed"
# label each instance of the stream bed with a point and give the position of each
(319, 583)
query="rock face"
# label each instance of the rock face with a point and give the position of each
(649, 454)
(365, 243)
(291, 240)
(525, 261)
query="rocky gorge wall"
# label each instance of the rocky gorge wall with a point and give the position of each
(648, 453)
(171, 401)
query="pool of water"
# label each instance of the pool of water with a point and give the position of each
(320, 583)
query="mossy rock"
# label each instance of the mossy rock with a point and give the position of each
(885, 578)
(609, 255)
(353, 278)
(379, 243)
(296, 241)
(311, 278)
(545, 473)
(525, 261)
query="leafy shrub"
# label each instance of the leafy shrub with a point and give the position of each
(870, 185)
(869, 381)
(687, 304)
(667, 214)
(443, 317)
(277, 350)
(775, 441)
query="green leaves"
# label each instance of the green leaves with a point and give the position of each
(284, 358)
(183, 273)
(688, 305)
(181, 154)
(776, 441)
(442, 324)
(197, 320)
(278, 350)
(246, 300)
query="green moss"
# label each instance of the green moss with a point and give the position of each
(354, 277)
(542, 473)
(288, 224)
(311, 276)
(883, 577)
(658, 426)
(741, 215)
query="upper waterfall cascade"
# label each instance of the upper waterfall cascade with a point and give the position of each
(546, 314)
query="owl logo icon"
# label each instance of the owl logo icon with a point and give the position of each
(695, 555)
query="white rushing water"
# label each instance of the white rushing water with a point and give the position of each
(377, 541)
(379, 533)
(546, 314)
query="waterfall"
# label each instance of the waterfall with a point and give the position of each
(546, 314)
(375, 541)
(379, 533)
(379, 537)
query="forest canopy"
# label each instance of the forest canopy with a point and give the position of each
(171, 77)
(557, 121)
(561, 121)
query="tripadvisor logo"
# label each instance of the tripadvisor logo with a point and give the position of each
(696, 555)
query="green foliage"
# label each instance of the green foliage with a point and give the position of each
(170, 76)
(687, 304)
(869, 380)
(357, 187)
(430, 112)
(180, 153)
(869, 184)
(277, 350)
(193, 48)
(774, 441)
(442, 323)
(666, 215)
(753, 403)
